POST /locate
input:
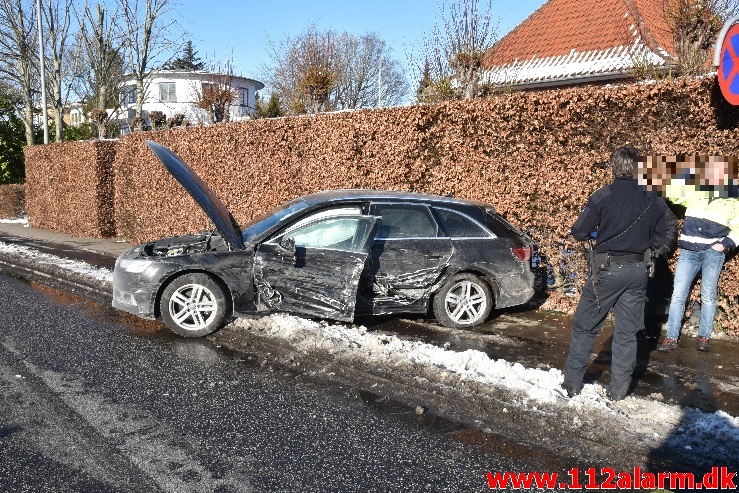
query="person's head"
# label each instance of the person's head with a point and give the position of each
(717, 171)
(623, 161)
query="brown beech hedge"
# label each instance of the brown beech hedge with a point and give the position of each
(12, 201)
(69, 187)
(536, 156)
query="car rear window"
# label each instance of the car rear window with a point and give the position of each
(457, 225)
(405, 221)
(500, 227)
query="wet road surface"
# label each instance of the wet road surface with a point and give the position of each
(90, 402)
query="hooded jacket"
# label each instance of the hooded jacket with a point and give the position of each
(710, 217)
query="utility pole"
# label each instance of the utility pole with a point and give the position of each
(379, 85)
(44, 109)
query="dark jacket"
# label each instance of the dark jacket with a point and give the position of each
(625, 218)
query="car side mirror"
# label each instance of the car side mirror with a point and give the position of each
(288, 245)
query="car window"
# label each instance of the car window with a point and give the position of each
(272, 218)
(405, 221)
(340, 211)
(329, 232)
(457, 225)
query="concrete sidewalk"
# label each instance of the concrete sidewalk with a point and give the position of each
(99, 252)
(108, 246)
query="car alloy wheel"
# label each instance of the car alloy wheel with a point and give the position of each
(464, 301)
(193, 305)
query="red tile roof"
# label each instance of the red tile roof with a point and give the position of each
(567, 40)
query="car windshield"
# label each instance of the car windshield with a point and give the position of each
(266, 221)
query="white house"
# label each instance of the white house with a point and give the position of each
(178, 92)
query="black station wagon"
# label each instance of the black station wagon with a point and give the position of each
(333, 255)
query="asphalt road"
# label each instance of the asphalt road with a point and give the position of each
(92, 403)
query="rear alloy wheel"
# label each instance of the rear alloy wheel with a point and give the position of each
(465, 300)
(193, 305)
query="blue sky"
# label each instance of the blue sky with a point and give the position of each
(226, 29)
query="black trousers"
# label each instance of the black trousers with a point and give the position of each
(623, 289)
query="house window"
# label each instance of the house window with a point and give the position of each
(129, 95)
(167, 93)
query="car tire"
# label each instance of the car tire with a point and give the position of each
(465, 300)
(193, 305)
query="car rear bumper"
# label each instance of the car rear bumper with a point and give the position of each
(515, 290)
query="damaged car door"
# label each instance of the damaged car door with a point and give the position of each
(314, 267)
(408, 257)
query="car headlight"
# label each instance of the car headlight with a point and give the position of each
(135, 266)
(175, 251)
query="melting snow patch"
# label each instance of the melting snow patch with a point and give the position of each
(535, 384)
(23, 221)
(83, 268)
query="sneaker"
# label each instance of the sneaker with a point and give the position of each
(667, 345)
(704, 344)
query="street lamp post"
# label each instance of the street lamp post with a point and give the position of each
(44, 109)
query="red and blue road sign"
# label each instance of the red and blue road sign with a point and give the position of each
(728, 69)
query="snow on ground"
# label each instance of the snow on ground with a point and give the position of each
(687, 428)
(23, 221)
(83, 268)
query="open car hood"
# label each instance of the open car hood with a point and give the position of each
(203, 195)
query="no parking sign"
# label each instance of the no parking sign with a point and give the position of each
(726, 58)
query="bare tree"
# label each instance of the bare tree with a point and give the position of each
(453, 54)
(325, 71)
(368, 75)
(18, 54)
(304, 70)
(318, 70)
(149, 37)
(57, 19)
(216, 93)
(694, 25)
(100, 65)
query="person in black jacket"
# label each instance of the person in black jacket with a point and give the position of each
(626, 221)
(659, 287)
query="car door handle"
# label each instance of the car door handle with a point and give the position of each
(432, 257)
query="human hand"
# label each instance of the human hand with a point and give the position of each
(718, 247)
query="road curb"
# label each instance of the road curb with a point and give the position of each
(19, 266)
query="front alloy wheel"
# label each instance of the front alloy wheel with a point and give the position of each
(193, 305)
(464, 301)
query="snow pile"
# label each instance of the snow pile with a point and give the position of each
(23, 221)
(85, 269)
(379, 349)
(695, 428)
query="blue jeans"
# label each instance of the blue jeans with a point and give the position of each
(709, 263)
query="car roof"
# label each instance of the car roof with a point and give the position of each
(362, 194)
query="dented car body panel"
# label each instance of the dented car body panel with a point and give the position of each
(320, 281)
(333, 254)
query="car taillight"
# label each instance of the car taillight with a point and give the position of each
(523, 253)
